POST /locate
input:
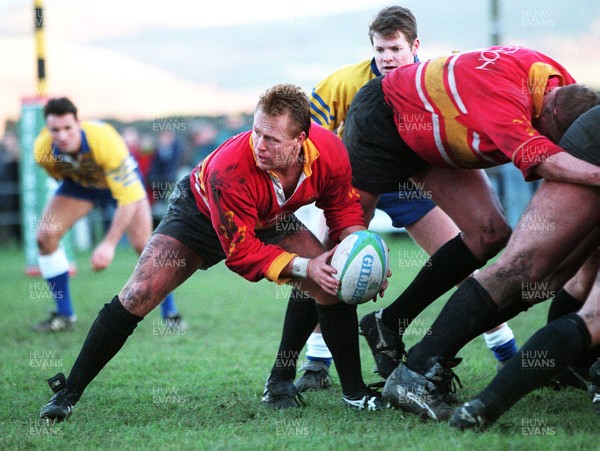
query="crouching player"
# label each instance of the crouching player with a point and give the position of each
(238, 205)
(95, 168)
(569, 338)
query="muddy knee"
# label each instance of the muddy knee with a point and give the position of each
(489, 239)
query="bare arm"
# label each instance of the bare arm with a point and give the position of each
(565, 168)
(105, 251)
(348, 230)
(368, 201)
(121, 220)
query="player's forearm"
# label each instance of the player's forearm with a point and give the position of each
(348, 230)
(120, 222)
(565, 168)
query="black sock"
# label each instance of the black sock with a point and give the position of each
(507, 312)
(106, 336)
(562, 304)
(458, 323)
(339, 326)
(448, 266)
(300, 320)
(542, 357)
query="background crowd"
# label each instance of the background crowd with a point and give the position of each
(169, 147)
(165, 149)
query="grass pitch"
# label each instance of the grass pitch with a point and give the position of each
(202, 389)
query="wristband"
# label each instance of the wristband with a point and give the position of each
(300, 267)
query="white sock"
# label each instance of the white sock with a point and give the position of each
(499, 337)
(502, 343)
(53, 264)
(316, 347)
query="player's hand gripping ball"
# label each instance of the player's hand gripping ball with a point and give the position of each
(361, 261)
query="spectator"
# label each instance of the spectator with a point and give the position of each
(9, 194)
(204, 141)
(142, 149)
(162, 174)
(234, 124)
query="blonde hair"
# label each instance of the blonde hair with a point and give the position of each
(287, 98)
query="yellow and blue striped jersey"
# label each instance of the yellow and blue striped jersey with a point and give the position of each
(103, 162)
(332, 96)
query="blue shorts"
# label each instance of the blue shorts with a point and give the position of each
(99, 197)
(405, 207)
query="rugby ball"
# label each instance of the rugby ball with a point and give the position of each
(361, 261)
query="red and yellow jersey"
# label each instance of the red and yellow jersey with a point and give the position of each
(240, 199)
(332, 96)
(103, 162)
(475, 109)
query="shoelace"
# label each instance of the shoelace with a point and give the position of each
(299, 400)
(446, 380)
(292, 392)
(63, 398)
(450, 380)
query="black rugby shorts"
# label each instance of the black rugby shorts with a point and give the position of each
(380, 158)
(190, 226)
(582, 139)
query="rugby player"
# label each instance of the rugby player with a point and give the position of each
(95, 168)
(435, 122)
(238, 206)
(393, 36)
